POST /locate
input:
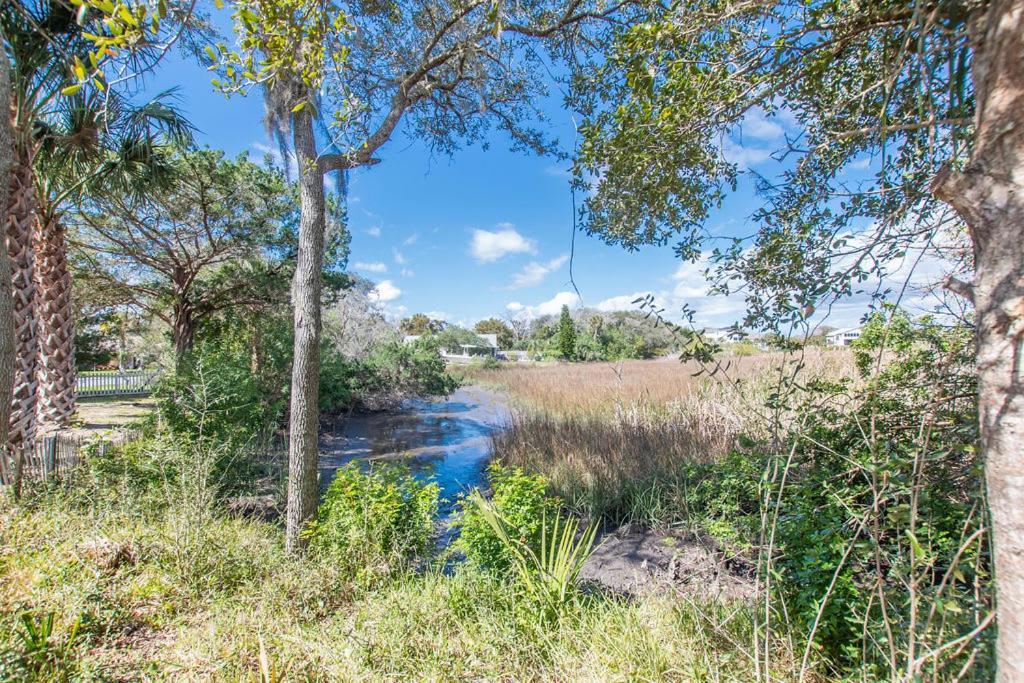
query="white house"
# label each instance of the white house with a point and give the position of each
(716, 334)
(487, 347)
(843, 337)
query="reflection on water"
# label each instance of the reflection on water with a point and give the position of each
(448, 439)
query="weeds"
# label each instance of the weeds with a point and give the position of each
(39, 653)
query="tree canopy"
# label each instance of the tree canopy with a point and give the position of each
(883, 83)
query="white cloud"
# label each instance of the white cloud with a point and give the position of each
(385, 291)
(623, 302)
(558, 172)
(490, 246)
(757, 125)
(550, 307)
(408, 272)
(373, 231)
(860, 164)
(690, 280)
(371, 267)
(744, 156)
(533, 273)
(410, 240)
(399, 257)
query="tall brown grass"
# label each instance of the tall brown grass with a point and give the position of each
(604, 387)
(617, 439)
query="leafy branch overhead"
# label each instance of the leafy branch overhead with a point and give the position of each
(882, 84)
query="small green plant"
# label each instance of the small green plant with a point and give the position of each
(548, 573)
(521, 500)
(39, 655)
(378, 519)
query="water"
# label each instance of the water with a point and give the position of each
(447, 439)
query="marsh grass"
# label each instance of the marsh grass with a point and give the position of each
(601, 388)
(620, 440)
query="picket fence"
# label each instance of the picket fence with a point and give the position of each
(116, 382)
(54, 455)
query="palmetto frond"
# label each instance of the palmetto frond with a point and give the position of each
(99, 141)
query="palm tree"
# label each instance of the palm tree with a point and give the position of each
(41, 40)
(92, 143)
(44, 41)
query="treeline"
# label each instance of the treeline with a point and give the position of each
(585, 334)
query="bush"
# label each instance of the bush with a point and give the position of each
(521, 501)
(214, 395)
(378, 519)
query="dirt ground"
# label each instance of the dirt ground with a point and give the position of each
(97, 415)
(633, 560)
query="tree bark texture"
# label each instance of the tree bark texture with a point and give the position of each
(304, 416)
(55, 324)
(6, 303)
(183, 331)
(988, 193)
(20, 220)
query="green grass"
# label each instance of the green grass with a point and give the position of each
(145, 580)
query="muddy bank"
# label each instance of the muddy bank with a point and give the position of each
(633, 560)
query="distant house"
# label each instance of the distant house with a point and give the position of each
(488, 346)
(843, 337)
(716, 334)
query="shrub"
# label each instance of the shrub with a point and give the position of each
(549, 573)
(379, 518)
(214, 395)
(521, 501)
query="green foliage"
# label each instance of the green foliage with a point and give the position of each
(506, 337)
(40, 655)
(674, 86)
(420, 324)
(549, 574)
(214, 395)
(521, 501)
(95, 339)
(600, 336)
(879, 528)
(382, 515)
(566, 335)
(396, 371)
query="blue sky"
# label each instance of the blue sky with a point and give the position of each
(489, 232)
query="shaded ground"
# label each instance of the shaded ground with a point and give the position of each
(634, 560)
(98, 415)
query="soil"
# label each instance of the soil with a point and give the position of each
(631, 560)
(104, 414)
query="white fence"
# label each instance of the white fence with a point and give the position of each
(116, 382)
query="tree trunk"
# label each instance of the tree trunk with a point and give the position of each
(184, 329)
(989, 194)
(304, 419)
(56, 324)
(6, 303)
(20, 218)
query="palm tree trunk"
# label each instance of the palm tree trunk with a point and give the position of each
(56, 323)
(20, 218)
(6, 304)
(304, 418)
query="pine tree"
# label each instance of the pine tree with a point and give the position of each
(566, 335)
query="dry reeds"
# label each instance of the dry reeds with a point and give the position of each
(617, 439)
